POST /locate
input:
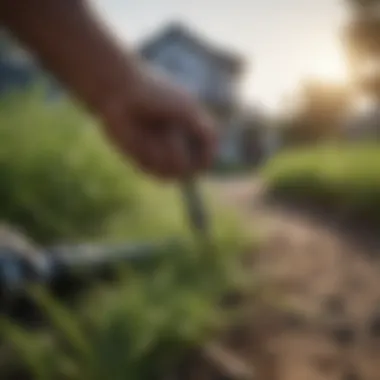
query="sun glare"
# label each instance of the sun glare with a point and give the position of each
(331, 66)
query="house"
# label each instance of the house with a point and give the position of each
(210, 73)
(16, 70)
(257, 134)
(19, 70)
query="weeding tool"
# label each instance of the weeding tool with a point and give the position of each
(196, 210)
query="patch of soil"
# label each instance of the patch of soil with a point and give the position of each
(325, 322)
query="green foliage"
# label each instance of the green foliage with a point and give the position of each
(362, 44)
(61, 181)
(139, 328)
(230, 168)
(320, 109)
(344, 179)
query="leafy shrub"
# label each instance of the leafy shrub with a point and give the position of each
(340, 178)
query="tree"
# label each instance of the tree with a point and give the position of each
(321, 109)
(362, 42)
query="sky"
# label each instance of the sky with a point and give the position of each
(282, 41)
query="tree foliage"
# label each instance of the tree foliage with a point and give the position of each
(319, 114)
(362, 42)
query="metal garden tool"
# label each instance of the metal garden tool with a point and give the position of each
(197, 216)
(196, 211)
(219, 359)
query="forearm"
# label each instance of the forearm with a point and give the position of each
(69, 40)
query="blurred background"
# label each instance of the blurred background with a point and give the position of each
(291, 288)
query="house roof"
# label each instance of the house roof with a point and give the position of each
(177, 31)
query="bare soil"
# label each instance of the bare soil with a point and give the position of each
(323, 320)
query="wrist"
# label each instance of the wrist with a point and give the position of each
(116, 93)
(112, 83)
(71, 42)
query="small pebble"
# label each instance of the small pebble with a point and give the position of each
(343, 334)
(334, 305)
(232, 300)
(294, 321)
(374, 326)
(351, 375)
(356, 284)
(325, 364)
(223, 377)
(240, 337)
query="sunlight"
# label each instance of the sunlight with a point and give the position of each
(330, 67)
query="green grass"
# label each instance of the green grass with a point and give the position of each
(61, 181)
(343, 178)
(140, 328)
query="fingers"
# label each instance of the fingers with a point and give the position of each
(169, 153)
(160, 154)
(181, 111)
(202, 126)
(199, 130)
(166, 133)
(146, 153)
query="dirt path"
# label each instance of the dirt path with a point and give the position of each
(328, 326)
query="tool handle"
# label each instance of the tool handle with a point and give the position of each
(191, 192)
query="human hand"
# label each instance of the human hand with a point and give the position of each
(153, 122)
(145, 115)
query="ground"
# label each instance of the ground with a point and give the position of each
(324, 321)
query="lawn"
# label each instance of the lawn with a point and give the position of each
(344, 179)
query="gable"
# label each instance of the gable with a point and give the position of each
(175, 55)
(211, 75)
(178, 34)
(186, 65)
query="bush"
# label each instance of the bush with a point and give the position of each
(341, 178)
